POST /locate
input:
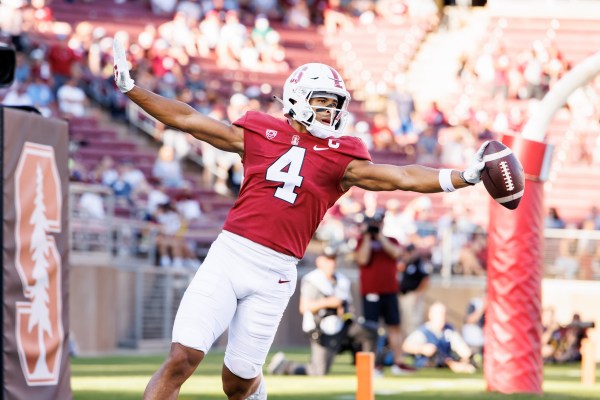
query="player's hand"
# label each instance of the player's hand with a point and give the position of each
(472, 174)
(121, 68)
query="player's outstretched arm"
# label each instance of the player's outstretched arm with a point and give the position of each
(415, 178)
(382, 177)
(176, 113)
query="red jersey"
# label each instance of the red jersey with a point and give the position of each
(290, 180)
(380, 274)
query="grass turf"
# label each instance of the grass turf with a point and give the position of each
(125, 377)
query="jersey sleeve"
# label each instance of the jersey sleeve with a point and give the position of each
(250, 121)
(357, 149)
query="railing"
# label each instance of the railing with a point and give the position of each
(151, 294)
(155, 294)
(567, 254)
(121, 238)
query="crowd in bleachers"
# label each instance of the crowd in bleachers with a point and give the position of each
(65, 68)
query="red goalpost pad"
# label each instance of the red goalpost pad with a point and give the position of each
(512, 359)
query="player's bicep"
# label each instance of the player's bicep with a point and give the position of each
(369, 176)
(216, 133)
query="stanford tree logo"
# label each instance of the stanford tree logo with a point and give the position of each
(38, 203)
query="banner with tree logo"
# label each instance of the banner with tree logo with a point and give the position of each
(35, 257)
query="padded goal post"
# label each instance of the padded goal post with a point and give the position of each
(512, 359)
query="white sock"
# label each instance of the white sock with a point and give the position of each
(261, 392)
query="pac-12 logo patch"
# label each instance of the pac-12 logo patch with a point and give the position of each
(271, 134)
(295, 140)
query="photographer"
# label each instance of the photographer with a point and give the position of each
(377, 255)
(325, 303)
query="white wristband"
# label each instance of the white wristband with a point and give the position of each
(446, 180)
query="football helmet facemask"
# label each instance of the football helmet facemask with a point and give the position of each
(316, 80)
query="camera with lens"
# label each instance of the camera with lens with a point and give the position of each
(373, 229)
(374, 223)
(7, 64)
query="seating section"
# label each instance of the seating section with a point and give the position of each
(573, 170)
(369, 57)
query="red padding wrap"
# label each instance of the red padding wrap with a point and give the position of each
(512, 359)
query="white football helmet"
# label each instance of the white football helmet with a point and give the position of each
(321, 80)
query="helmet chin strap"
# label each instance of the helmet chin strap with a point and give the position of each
(319, 130)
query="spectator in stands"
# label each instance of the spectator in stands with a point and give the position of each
(163, 7)
(187, 205)
(133, 176)
(427, 147)
(326, 307)
(454, 145)
(336, 18)
(401, 108)
(41, 95)
(178, 33)
(91, 205)
(414, 280)
(22, 68)
(105, 172)
(179, 141)
(122, 189)
(72, 100)
(250, 56)
(156, 196)
(437, 344)
(298, 15)
(61, 59)
(231, 41)
(435, 118)
(260, 31)
(269, 8)
(362, 130)
(383, 137)
(18, 96)
(172, 247)
(533, 72)
(394, 222)
(592, 219)
(210, 31)
(501, 73)
(553, 220)
(167, 168)
(473, 255)
(273, 55)
(191, 9)
(467, 243)
(376, 255)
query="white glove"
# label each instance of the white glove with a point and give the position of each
(472, 174)
(121, 68)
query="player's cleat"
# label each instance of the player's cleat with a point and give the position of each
(402, 369)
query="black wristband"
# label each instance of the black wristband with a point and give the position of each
(462, 176)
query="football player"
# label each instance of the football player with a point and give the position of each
(294, 171)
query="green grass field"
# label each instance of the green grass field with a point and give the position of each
(125, 377)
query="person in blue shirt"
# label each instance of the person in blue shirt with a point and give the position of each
(437, 344)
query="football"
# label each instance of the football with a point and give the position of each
(503, 175)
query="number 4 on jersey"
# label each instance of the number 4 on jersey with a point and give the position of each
(287, 170)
